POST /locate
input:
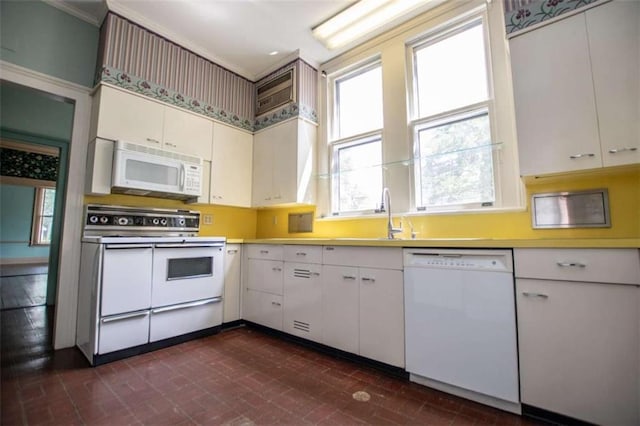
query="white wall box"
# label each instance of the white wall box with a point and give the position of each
(578, 332)
(232, 282)
(577, 94)
(284, 164)
(120, 114)
(231, 166)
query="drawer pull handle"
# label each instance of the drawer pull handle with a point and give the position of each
(372, 280)
(153, 140)
(329, 248)
(572, 264)
(277, 269)
(348, 277)
(276, 304)
(234, 251)
(538, 295)
(617, 150)
(264, 251)
(576, 156)
(301, 253)
(315, 274)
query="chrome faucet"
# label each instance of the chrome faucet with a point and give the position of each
(386, 201)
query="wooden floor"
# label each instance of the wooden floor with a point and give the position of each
(23, 286)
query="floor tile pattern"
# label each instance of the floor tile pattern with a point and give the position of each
(237, 377)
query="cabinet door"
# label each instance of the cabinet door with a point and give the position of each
(614, 41)
(302, 300)
(340, 328)
(579, 346)
(284, 141)
(129, 117)
(306, 162)
(263, 308)
(554, 100)
(382, 315)
(187, 133)
(262, 169)
(232, 283)
(232, 161)
(205, 197)
(265, 275)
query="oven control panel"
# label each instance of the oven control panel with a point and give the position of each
(139, 221)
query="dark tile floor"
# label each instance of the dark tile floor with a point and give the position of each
(237, 377)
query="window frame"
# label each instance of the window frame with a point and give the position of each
(418, 123)
(38, 215)
(335, 142)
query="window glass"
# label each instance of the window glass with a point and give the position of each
(358, 181)
(456, 162)
(451, 72)
(359, 102)
(43, 216)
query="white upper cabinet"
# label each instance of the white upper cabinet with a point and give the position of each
(231, 169)
(614, 41)
(121, 115)
(187, 133)
(284, 164)
(576, 91)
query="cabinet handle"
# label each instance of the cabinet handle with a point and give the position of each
(348, 277)
(315, 274)
(171, 145)
(301, 253)
(124, 317)
(571, 264)
(153, 141)
(277, 197)
(372, 280)
(626, 148)
(329, 248)
(276, 303)
(234, 251)
(538, 295)
(264, 251)
(576, 156)
(275, 268)
(267, 199)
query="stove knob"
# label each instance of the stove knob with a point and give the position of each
(139, 221)
(155, 221)
(93, 219)
(163, 221)
(181, 221)
(104, 219)
(123, 221)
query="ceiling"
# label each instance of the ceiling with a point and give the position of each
(236, 34)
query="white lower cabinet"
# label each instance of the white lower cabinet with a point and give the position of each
(232, 282)
(302, 300)
(579, 342)
(340, 307)
(263, 308)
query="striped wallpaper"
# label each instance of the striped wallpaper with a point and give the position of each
(146, 56)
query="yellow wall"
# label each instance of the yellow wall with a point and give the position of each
(624, 200)
(230, 222)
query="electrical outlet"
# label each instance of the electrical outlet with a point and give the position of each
(207, 219)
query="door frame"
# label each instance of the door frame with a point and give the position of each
(64, 327)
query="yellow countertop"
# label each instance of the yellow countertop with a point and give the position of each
(456, 242)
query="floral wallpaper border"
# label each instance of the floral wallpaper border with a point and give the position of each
(537, 11)
(141, 86)
(29, 165)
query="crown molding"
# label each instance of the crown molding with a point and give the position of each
(80, 14)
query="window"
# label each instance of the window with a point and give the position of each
(453, 146)
(356, 148)
(43, 216)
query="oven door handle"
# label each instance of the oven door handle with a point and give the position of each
(126, 246)
(124, 317)
(189, 245)
(186, 305)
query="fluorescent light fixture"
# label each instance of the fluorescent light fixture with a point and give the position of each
(360, 19)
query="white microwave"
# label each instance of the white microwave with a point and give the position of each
(142, 170)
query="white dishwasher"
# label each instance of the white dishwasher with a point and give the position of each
(461, 324)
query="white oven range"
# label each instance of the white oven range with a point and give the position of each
(141, 292)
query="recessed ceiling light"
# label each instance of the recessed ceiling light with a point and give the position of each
(275, 52)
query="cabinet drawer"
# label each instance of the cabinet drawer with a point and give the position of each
(264, 251)
(368, 257)
(123, 331)
(181, 319)
(303, 254)
(591, 265)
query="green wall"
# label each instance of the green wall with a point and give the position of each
(40, 37)
(16, 211)
(27, 110)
